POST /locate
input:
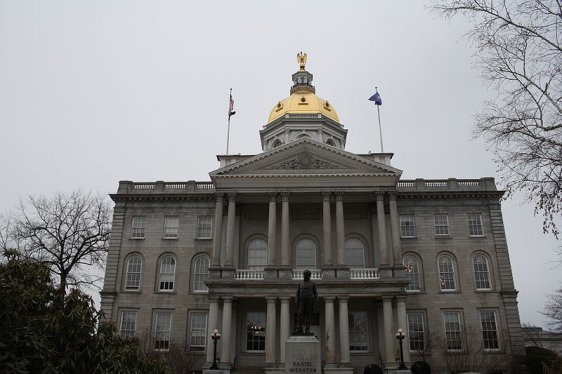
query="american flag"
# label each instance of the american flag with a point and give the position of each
(231, 111)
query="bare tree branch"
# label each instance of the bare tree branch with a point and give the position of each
(69, 233)
(519, 53)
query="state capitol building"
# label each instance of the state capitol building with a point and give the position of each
(429, 257)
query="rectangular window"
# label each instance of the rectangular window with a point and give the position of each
(358, 332)
(204, 225)
(171, 225)
(441, 222)
(489, 329)
(407, 226)
(162, 330)
(137, 227)
(416, 331)
(475, 224)
(255, 331)
(452, 322)
(198, 332)
(128, 324)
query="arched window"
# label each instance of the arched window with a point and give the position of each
(412, 266)
(330, 142)
(481, 272)
(134, 268)
(354, 253)
(257, 254)
(167, 273)
(446, 273)
(306, 254)
(200, 273)
(277, 143)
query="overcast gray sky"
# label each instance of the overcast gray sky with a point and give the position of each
(93, 92)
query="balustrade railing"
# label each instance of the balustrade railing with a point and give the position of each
(249, 274)
(314, 274)
(364, 273)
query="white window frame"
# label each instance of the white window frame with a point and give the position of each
(255, 326)
(198, 321)
(482, 277)
(200, 273)
(453, 335)
(257, 254)
(416, 319)
(204, 226)
(407, 225)
(354, 253)
(171, 227)
(413, 271)
(133, 275)
(441, 223)
(490, 329)
(128, 323)
(138, 226)
(162, 331)
(475, 226)
(167, 274)
(299, 251)
(446, 276)
(358, 337)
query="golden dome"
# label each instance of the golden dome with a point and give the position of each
(303, 102)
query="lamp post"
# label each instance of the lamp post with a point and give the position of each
(215, 336)
(400, 336)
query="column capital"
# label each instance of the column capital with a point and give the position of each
(285, 299)
(401, 298)
(392, 196)
(379, 195)
(232, 197)
(271, 299)
(339, 195)
(285, 196)
(326, 195)
(273, 197)
(329, 299)
(219, 196)
(386, 298)
(214, 299)
(227, 299)
(343, 299)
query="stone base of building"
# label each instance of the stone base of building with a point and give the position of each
(328, 370)
(218, 371)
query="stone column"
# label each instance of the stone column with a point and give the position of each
(344, 330)
(389, 336)
(231, 220)
(270, 329)
(395, 229)
(382, 230)
(403, 324)
(285, 246)
(217, 234)
(212, 325)
(327, 226)
(284, 328)
(226, 330)
(340, 230)
(272, 224)
(330, 332)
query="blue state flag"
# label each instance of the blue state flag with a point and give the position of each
(376, 98)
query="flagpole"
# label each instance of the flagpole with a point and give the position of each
(230, 113)
(228, 135)
(380, 128)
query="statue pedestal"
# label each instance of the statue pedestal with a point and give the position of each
(302, 355)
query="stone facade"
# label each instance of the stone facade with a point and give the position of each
(427, 256)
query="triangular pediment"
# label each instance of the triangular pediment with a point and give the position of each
(308, 161)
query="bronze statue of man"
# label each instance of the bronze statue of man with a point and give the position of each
(306, 298)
